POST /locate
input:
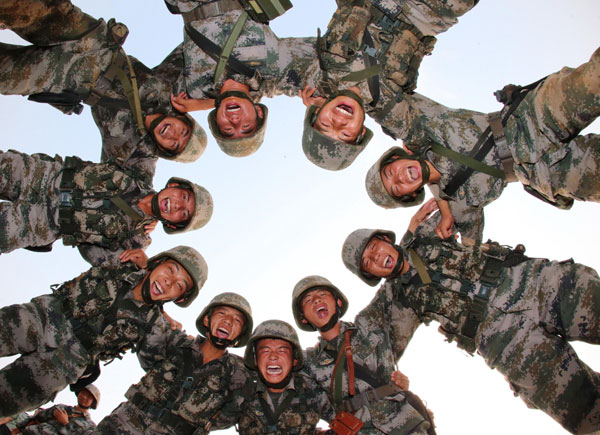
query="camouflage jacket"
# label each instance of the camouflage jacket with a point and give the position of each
(279, 63)
(98, 227)
(178, 381)
(44, 423)
(378, 340)
(122, 141)
(458, 278)
(297, 411)
(106, 318)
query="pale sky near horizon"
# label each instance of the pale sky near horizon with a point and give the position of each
(279, 218)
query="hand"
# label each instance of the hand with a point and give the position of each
(422, 214)
(148, 228)
(5, 420)
(307, 97)
(61, 416)
(400, 379)
(136, 256)
(183, 103)
(174, 324)
(444, 227)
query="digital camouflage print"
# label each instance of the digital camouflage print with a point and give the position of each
(31, 214)
(54, 352)
(378, 340)
(535, 308)
(542, 134)
(179, 393)
(44, 422)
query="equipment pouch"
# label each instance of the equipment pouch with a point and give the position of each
(345, 423)
(264, 11)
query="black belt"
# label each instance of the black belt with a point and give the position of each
(372, 395)
(164, 415)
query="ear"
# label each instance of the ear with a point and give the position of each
(294, 362)
(387, 239)
(303, 320)
(205, 321)
(339, 303)
(259, 111)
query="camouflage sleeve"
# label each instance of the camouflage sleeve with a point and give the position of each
(181, 6)
(320, 399)
(43, 415)
(159, 344)
(404, 323)
(376, 315)
(240, 384)
(99, 256)
(468, 220)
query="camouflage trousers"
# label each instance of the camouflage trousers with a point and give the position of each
(530, 346)
(72, 66)
(51, 356)
(543, 134)
(29, 186)
(45, 22)
(129, 419)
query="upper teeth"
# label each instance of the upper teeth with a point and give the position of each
(158, 288)
(343, 110)
(168, 205)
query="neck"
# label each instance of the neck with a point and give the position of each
(332, 333)
(232, 85)
(146, 204)
(434, 174)
(137, 291)
(149, 118)
(209, 352)
(80, 409)
(276, 390)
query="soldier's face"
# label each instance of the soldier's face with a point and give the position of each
(226, 322)
(274, 358)
(169, 281)
(402, 177)
(172, 134)
(318, 306)
(85, 399)
(176, 204)
(341, 119)
(237, 117)
(379, 257)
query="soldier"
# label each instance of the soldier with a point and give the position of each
(367, 63)
(188, 380)
(64, 419)
(518, 313)
(232, 59)
(94, 317)
(363, 384)
(101, 208)
(279, 398)
(82, 60)
(468, 158)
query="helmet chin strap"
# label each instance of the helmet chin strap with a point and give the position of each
(238, 94)
(397, 271)
(279, 385)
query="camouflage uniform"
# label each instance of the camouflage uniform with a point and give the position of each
(92, 317)
(550, 158)
(178, 394)
(296, 410)
(34, 215)
(375, 346)
(279, 62)
(44, 423)
(529, 310)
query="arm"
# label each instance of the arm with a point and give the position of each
(99, 256)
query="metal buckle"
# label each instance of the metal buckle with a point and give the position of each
(155, 411)
(65, 199)
(189, 381)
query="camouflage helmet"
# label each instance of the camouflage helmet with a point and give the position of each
(273, 329)
(243, 146)
(329, 153)
(195, 146)
(376, 189)
(313, 282)
(353, 248)
(203, 207)
(233, 300)
(194, 264)
(95, 392)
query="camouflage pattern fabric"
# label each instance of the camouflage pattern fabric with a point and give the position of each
(300, 415)
(52, 352)
(377, 345)
(44, 423)
(534, 310)
(165, 356)
(31, 184)
(280, 62)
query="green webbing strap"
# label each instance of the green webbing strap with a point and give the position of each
(468, 161)
(420, 266)
(126, 208)
(131, 91)
(228, 47)
(363, 74)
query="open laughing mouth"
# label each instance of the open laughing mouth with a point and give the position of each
(389, 262)
(165, 205)
(412, 174)
(274, 370)
(156, 289)
(232, 107)
(222, 332)
(344, 109)
(322, 311)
